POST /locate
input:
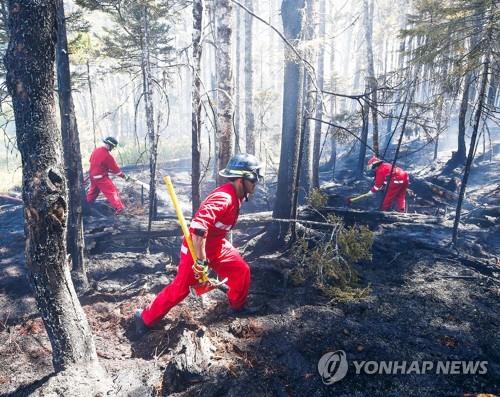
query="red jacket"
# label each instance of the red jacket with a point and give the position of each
(217, 215)
(102, 162)
(382, 172)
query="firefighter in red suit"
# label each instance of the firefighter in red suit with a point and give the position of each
(216, 216)
(396, 191)
(101, 163)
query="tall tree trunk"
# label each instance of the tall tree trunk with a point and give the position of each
(92, 105)
(319, 101)
(4, 18)
(306, 164)
(72, 156)
(401, 63)
(364, 135)
(493, 86)
(237, 84)
(333, 141)
(372, 80)
(196, 104)
(30, 80)
(223, 9)
(212, 70)
(459, 157)
(249, 117)
(306, 149)
(472, 147)
(439, 119)
(148, 106)
(292, 15)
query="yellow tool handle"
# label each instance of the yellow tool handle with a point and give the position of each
(180, 216)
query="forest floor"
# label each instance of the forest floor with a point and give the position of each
(427, 302)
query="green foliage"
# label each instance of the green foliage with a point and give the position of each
(125, 41)
(452, 32)
(317, 199)
(329, 263)
(83, 48)
(355, 243)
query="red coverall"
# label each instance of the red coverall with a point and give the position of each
(102, 162)
(217, 215)
(396, 192)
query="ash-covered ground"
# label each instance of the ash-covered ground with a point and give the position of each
(427, 302)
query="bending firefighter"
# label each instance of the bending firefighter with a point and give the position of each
(101, 163)
(216, 216)
(396, 189)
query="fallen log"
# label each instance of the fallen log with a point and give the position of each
(318, 218)
(128, 234)
(435, 194)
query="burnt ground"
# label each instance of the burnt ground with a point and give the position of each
(427, 302)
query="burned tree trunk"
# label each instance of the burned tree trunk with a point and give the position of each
(364, 136)
(249, 119)
(319, 102)
(92, 106)
(30, 79)
(459, 157)
(196, 104)
(306, 147)
(472, 147)
(292, 15)
(372, 81)
(237, 84)
(148, 107)
(223, 9)
(72, 156)
(306, 165)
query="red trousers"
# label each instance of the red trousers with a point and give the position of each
(396, 194)
(228, 263)
(108, 188)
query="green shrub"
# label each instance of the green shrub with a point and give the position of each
(328, 261)
(317, 199)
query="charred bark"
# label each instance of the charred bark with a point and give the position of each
(148, 107)
(472, 147)
(72, 156)
(319, 104)
(459, 157)
(306, 149)
(365, 110)
(372, 80)
(292, 15)
(306, 145)
(30, 79)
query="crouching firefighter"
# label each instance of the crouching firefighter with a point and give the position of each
(101, 163)
(396, 187)
(216, 216)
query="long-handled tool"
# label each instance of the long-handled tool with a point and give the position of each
(351, 200)
(205, 283)
(137, 182)
(159, 195)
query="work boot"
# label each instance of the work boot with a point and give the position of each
(140, 328)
